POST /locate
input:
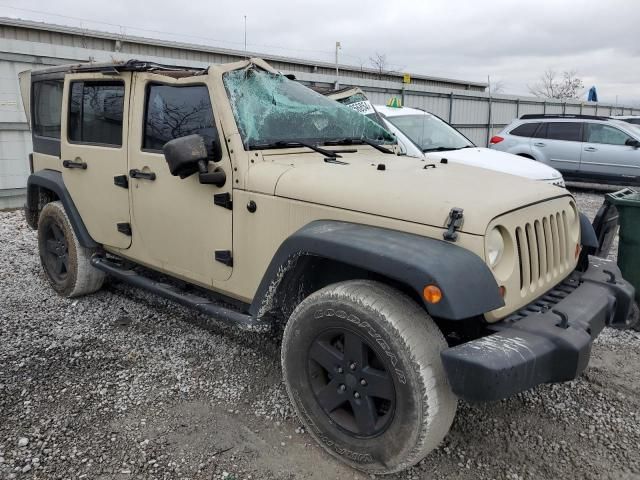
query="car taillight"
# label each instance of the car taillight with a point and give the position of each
(495, 139)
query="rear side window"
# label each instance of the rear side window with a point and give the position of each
(95, 113)
(177, 111)
(47, 106)
(525, 130)
(569, 131)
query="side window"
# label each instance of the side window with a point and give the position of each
(95, 113)
(524, 130)
(47, 106)
(177, 111)
(598, 133)
(569, 131)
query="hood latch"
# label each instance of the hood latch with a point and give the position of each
(454, 223)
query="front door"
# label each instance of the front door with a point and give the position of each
(93, 149)
(179, 225)
(605, 153)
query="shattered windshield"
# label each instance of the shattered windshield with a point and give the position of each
(270, 109)
(429, 132)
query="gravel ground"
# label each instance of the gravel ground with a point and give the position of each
(123, 385)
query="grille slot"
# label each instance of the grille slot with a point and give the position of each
(544, 250)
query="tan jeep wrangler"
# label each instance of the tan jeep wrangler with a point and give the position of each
(404, 285)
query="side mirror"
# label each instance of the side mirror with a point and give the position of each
(183, 155)
(631, 142)
(188, 155)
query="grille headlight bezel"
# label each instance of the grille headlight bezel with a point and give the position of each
(495, 246)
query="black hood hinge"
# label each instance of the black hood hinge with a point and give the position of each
(454, 224)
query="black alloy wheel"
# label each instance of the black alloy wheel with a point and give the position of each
(351, 382)
(56, 252)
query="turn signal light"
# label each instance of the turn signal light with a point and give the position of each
(495, 139)
(432, 294)
(502, 290)
(578, 250)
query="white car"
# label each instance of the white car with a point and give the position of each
(421, 134)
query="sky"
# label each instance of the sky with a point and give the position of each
(511, 41)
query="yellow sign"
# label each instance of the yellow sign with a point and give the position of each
(406, 78)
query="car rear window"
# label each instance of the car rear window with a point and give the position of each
(525, 130)
(47, 104)
(568, 131)
(95, 113)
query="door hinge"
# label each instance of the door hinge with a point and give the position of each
(223, 200)
(454, 223)
(124, 228)
(224, 256)
(121, 181)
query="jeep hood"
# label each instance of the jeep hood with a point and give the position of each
(408, 189)
(499, 161)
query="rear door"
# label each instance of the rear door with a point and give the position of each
(93, 150)
(605, 153)
(559, 144)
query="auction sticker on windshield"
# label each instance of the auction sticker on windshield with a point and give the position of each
(364, 107)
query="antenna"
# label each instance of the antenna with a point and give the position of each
(245, 35)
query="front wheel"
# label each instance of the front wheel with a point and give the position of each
(361, 363)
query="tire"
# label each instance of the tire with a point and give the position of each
(66, 263)
(405, 407)
(635, 317)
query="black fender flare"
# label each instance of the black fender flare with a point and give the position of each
(588, 236)
(53, 181)
(469, 288)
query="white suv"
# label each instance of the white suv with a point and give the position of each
(422, 134)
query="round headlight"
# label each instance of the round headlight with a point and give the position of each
(495, 246)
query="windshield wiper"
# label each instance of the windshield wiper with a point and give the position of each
(295, 143)
(444, 149)
(366, 141)
(437, 149)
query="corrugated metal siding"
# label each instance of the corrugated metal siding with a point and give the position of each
(14, 153)
(470, 111)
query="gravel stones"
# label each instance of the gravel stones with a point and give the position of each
(123, 384)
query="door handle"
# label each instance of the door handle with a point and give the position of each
(590, 149)
(135, 173)
(74, 164)
(540, 144)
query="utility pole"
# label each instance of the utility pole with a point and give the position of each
(337, 86)
(245, 35)
(489, 120)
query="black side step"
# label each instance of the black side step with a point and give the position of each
(171, 292)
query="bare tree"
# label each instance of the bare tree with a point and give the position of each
(379, 63)
(498, 86)
(551, 85)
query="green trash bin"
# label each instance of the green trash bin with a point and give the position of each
(627, 202)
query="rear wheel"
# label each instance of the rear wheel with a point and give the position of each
(66, 263)
(361, 362)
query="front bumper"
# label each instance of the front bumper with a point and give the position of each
(547, 341)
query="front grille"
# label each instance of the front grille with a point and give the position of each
(545, 251)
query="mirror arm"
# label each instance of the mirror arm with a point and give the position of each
(203, 166)
(217, 178)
